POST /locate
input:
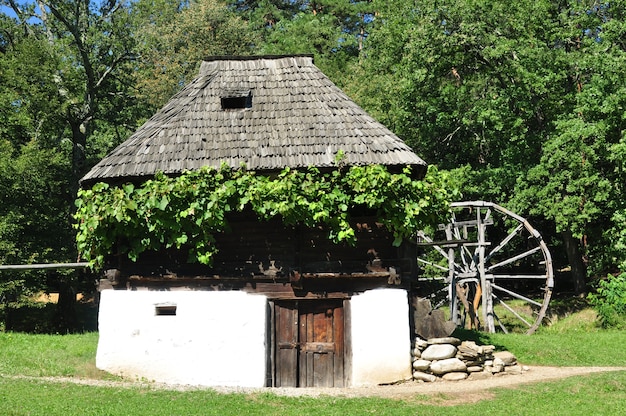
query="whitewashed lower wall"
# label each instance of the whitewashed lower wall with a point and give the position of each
(215, 339)
(219, 338)
(381, 343)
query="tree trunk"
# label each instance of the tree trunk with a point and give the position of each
(65, 315)
(578, 270)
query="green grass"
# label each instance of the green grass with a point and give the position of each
(574, 340)
(570, 341)
(598, 394)
(38, 355)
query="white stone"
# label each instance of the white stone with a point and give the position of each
(449, 365)
(416, 353)
(480, 375)
(473, 346)
(474, 369)
(498, 365)
(513, 369)
(455, 376)
(439, 352)
(507, 357)
(444, 340)
(421, 376)
(420, 343)
(488, 349)
(421, 365)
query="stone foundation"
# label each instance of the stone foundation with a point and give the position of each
(451, 359)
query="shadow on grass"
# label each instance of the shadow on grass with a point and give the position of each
(565, 305)
(40, 317)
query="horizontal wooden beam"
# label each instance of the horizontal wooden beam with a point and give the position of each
(44, 266)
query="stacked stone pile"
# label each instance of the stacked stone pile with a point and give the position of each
(451, 359)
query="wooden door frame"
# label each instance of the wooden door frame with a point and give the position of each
(271, 339)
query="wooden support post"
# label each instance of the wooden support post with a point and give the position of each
(484, 284)
(455, 315)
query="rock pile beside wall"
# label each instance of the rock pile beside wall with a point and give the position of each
(451, 359)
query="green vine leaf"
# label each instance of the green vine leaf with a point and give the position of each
(188, 210)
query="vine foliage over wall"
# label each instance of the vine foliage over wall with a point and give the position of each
(186, 211)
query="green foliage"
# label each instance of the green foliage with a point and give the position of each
(67, 96)
(34, 219)
(610, 301)
(463, 82)
(331, 30)
(174, 36)
(186, 211)
(571, 184)
(524, 100)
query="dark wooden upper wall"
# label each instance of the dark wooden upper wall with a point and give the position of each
(257, 249)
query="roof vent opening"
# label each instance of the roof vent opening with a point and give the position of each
(237, 103)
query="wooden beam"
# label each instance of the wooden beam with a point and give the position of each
(43, 266)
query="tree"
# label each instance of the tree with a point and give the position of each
(577, 181)
(69, 99)
(173, 38)
(77, 79)
(331, 30)
(34, 162)
(499, 89)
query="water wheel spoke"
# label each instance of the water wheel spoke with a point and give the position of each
(516, 295)
(518, 276)
(504, 242)
(474, 256)
(514, 258)
(430, 263)
(440, 250)
(513, 311)
(457, 267)
(500, 324)
(433, 296)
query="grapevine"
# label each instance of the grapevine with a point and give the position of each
(189, 209)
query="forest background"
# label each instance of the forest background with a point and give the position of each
(524, 103)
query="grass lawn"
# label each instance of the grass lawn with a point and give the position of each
(599, 394)
(570, 342)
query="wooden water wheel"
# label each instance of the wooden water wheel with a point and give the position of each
(489, 266)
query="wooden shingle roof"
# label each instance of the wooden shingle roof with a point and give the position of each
(265, 112)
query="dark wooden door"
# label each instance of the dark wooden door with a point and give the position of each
(309, 343)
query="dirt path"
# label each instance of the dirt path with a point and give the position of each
(455, 392)
(443, 392)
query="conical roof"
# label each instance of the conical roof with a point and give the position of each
(265, 112)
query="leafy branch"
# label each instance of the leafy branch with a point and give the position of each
(188, 210)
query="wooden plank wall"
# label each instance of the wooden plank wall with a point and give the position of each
(269, 250)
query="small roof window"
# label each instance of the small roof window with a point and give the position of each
(237, 102)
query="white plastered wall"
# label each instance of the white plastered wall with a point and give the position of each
(215, 338)
(381, 345)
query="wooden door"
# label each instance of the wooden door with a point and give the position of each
(309, 343)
